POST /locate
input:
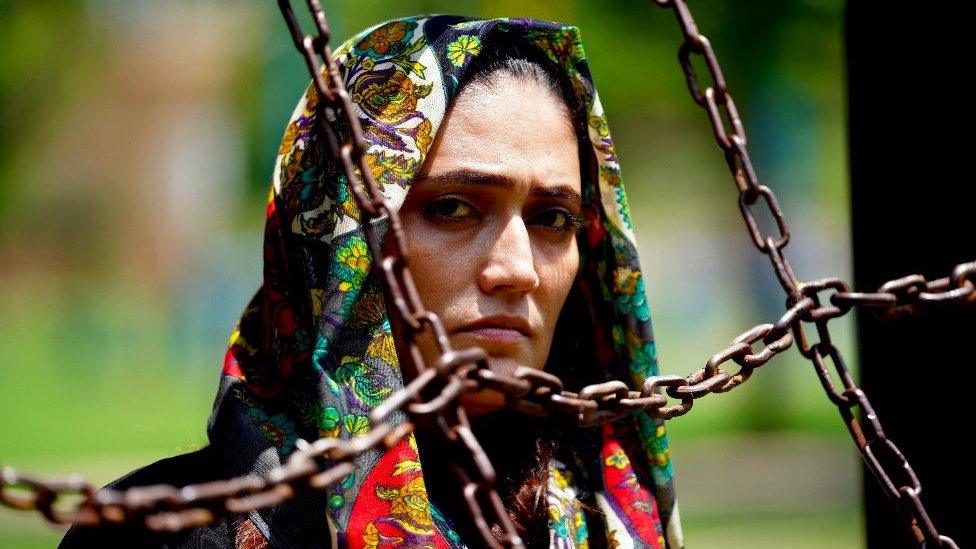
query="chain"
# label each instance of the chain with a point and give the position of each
(903, 296)
(430, 393)
(320, 464)
(443, 381)
(167, 508)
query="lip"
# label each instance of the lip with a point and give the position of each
(501, 328)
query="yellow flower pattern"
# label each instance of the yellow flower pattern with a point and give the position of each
(463, 47)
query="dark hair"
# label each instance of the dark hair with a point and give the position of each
(520, 447)
(527, 64)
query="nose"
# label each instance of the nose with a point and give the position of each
(509, 267)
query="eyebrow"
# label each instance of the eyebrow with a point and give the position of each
(476, 177)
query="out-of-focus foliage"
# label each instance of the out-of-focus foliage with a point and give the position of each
(136, 145)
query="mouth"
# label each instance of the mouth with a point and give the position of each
(499, 330)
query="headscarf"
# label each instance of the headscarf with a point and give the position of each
(313, 352)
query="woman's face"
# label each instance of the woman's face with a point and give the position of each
(489, 223)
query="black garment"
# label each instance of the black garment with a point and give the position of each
(181, 470)
(278, 524)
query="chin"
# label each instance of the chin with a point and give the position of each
(505, 364)
(482, 402)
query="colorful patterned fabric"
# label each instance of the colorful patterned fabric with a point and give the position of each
(313, 353)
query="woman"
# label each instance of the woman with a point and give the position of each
(520, 240)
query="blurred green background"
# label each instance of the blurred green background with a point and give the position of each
(137, 140)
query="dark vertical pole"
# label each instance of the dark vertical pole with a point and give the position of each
(912, 189)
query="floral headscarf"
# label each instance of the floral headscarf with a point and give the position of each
(313, 352)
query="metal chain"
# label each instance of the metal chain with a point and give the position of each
(168, 508)
(442, 382)
(319, 464)
(430, 395)
(902, 296)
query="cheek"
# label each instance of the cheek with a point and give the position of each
(557, 273)
(438, 262)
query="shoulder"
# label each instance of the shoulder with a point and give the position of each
(198, 466)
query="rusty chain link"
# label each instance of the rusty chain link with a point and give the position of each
(429, 396)
(896, 298)
(534, 392)
(167, 508)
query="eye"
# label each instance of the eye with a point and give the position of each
(450, 209)
(558, 219)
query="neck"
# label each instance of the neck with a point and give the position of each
(513, 443)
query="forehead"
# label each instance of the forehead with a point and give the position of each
(511, 128)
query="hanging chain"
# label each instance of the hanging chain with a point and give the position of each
(898, 297)
(443, 381)
(430, 396)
